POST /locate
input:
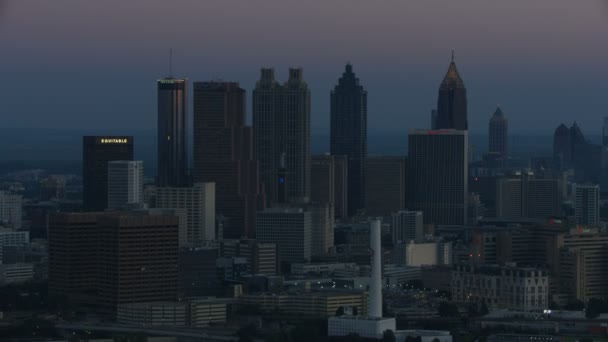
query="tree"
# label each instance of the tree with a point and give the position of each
(388, 336)
(340, 311)
(247, 333)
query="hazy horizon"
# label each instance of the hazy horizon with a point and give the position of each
(79, 65)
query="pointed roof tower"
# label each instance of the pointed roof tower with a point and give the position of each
(452, 78)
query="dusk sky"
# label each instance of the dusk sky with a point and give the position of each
(94, 64)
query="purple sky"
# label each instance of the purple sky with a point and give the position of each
(93, 64)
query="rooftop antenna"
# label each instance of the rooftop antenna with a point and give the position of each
(171, 62)
(452, 55)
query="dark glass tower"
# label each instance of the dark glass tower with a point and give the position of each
(97, 151)
(223, 153)
(452, 101)
(172, 117)
(498, 129)
(349, 133)
(281, 124)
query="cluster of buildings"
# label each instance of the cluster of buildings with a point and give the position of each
(257, 224)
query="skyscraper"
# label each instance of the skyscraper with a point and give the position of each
(323, 172)
(438, 175)
(281, 123)
(348, 127)
(223, 153)
(199, 202)
(125, 184)
(407, 226)
(11, 209)
(385, 185)
(172, 126)
(452, 101)
(97, 151)
(498, 133)
(587, 204)
(290, 229)
(565, 142)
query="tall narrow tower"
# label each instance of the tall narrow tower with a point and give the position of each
(452, 101)
(349, 133)
(223, 153)
(498, 134)
(171, 140)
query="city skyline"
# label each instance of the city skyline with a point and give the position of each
(512, 65)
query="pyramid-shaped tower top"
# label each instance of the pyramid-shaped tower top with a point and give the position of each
(498, 113)
(452, 78)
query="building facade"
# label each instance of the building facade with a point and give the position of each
(524, 289)
(290, 229)
(385, 179)
(125, 184)
(407, 226)
(199, 203)
(172, 128)
(348, 133)
(438, 175)
(11, 210)
(223, 154)
(97, 151)
(281, 123)
(587, 204)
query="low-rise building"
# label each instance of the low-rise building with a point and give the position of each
(515, 288)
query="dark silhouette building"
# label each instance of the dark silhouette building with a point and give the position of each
(565, 142)
(281, 124)
(223, 153)
(172, 126)
(437, 172)
(97, 151)
(385, 185)
(348, 127)
(499, 134)
(452, 101)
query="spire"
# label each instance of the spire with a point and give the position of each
(452, 78)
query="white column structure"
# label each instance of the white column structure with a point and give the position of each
(375, 289)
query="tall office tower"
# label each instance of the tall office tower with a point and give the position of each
(10, 210)
(281, 123)
(565, 142)
(290, 229)
(407, 226)
(137, 259)
(72, 239)
(322, 231)
(438, 175)
(199, 203)
(587, 204)
(452, 101)
(125, 184)
(172, 131)
(322, 180)
(605, 132)
(498, 133)
(223, 153)
(384, 185)
(525, 196)
(348, 133)
(97, 151)
(341, 186)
